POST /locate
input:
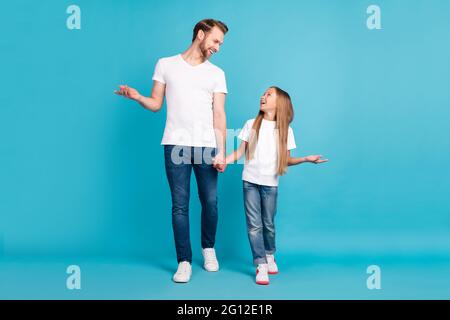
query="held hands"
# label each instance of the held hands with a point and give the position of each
(219, 162)
(128, 92)
(315, 159)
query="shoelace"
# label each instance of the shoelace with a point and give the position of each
(210, 256)
(261, 268)
(183, 268)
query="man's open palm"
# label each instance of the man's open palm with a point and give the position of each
(128, 92)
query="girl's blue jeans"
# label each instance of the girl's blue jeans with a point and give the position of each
(260, 208)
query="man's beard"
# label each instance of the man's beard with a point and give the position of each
(204, 51)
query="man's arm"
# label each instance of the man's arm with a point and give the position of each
(156, 100)
(153, 103)
(220, 128)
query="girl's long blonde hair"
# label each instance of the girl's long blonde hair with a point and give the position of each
(283, 117)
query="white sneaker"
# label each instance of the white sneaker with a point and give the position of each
(273, 268)
(262, 275)
(210, 261)
(183, 273)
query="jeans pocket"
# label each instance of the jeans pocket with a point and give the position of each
(246, 184)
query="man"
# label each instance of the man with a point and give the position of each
(194, 135)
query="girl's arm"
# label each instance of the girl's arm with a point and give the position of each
(295, 161)
(314, 159)
(236, 154)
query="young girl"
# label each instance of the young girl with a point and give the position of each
(266, 142)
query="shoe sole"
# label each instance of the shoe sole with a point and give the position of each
(212, 270)
(271, 272)
(185, 281)
(264, 283)
(180, 281)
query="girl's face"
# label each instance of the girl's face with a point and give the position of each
(268, 101)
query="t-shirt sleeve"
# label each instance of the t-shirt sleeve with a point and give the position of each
(221, 83)
(245, 132)
(158, 75)
(291, 140)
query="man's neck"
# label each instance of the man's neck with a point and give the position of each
(193, 55)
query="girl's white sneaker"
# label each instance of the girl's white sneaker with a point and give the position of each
(272, 265)
(183, 273)
(262, 275)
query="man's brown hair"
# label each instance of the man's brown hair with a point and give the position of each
(206, 25)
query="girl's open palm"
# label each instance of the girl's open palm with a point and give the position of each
(128, 92)
(315, 159)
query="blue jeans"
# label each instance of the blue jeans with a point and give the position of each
(179, 162)
(260, 209)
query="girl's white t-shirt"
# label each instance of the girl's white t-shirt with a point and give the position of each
(189, 97)
(262, 169)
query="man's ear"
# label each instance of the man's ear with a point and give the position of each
(201, 35)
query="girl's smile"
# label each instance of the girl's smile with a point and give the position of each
(268, 100)
(267, 104)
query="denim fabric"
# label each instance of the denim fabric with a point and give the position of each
(260, 208)
(179, 162)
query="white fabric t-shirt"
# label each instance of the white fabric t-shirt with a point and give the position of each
(189, 99)
(262, 169)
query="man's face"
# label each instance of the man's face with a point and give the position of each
(211, 42)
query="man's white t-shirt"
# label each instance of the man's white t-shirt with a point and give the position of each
(262, 168)
(189, 99)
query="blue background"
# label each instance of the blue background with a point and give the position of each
(82, 171)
